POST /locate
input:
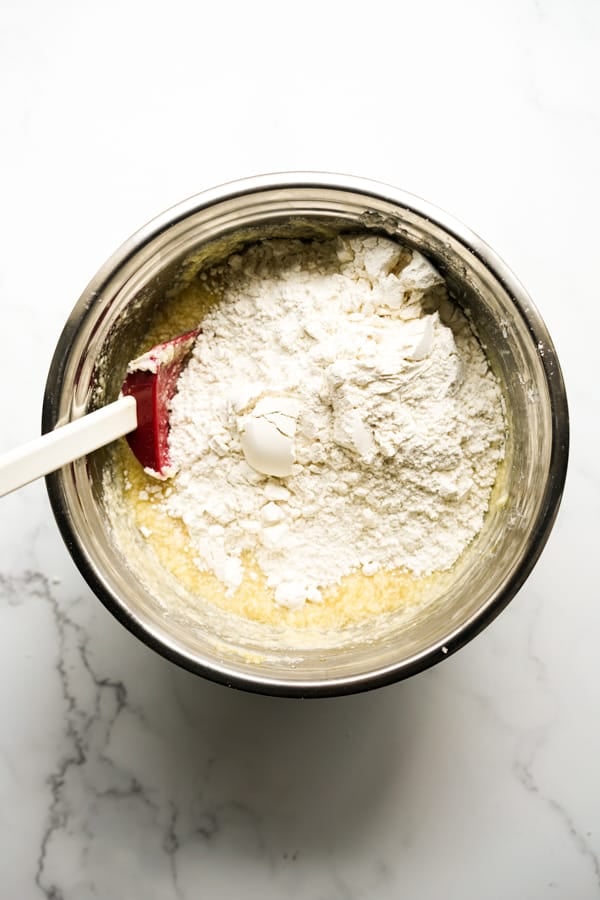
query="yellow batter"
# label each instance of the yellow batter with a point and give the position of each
(357, 597)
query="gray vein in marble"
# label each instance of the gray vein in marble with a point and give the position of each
(531, 740)
(92, 706)
(524, 766)
(171, 847)
(79, 723)
(524, 772)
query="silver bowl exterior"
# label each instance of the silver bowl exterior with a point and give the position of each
(103, 332)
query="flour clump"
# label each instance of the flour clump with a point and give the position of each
(337, 415)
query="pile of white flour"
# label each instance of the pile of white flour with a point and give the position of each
(392, 421)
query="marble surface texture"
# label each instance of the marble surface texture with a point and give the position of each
(122, 776)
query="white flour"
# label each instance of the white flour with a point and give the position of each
(389, 421)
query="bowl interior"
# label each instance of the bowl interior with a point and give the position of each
(103, 333)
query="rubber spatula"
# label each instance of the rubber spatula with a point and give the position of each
(141, 414)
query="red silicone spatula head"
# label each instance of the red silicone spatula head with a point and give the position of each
(152, 379)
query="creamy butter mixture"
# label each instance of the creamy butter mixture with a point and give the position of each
(336, 434)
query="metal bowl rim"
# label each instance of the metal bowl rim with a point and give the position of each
(525, 307)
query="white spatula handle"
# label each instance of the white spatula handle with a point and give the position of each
(57, 448)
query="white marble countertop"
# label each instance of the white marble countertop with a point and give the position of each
(122, 776)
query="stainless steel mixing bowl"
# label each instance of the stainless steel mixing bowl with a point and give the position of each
(103, 332)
